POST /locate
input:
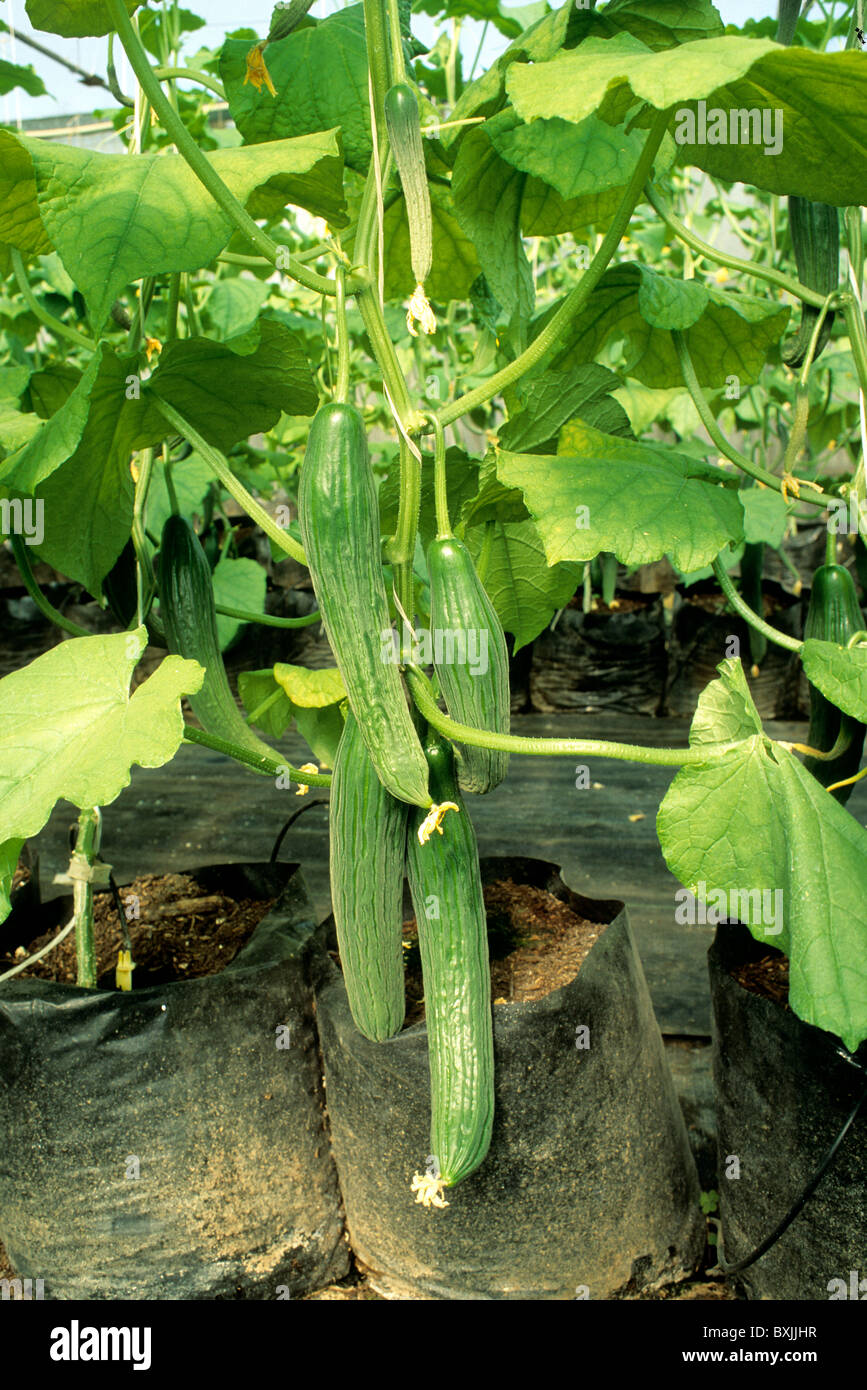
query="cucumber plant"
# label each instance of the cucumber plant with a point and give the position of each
(213, 352)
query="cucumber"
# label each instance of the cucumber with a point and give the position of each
(339, 518)
(189, 619)
(446, 886)
(815, 229)
(833, 615)
(366, 858)
(404, 134)
(464, 622)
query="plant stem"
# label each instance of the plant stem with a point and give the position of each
(393, 378)
(215, 461)
(780, 639)
(401, 548)
(577, 298)
(55, 326)
(555, 747)
(80, 871)
(196, 159)
(376, 31)
(754, 470)
(398, 62)
(341, 390)
(270, 767)
(145, 583)
(266, 704)
(704, 248)
(441, 496)
(268, 619)
(194, 75)
(22, 559)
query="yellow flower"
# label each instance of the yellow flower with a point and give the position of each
(152, 345)
(721, 276)
(303, 788)
(420, 310)
(257, 72)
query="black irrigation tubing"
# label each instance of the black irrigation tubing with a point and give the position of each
(121, 912)
(805, 1196)
(288, 826)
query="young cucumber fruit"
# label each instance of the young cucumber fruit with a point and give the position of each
(446, 887)
(815, 229)
(834, 615)
(367, 848)
(404, 136)
(340, 528)
(470, 658)
(189, 619)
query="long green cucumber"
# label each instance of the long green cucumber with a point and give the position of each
(834, 615)
(470, 658)
(189, 619)
(446, 886)
(815, 229)
(366, 856)
(339, 519)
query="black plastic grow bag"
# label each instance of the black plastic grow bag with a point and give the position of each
(159, 1143)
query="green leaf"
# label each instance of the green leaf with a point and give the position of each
(229, 391)
(238, 583)
(840, 673)
(502, 17)
(114, 218)
(191, 478)
(310, 689)
(10, 851)
(455, 263)
(320, 727)
(320, 75)
(74, 19)
(765, 516)
(234, 304)
(549, 400)
(727, 333)
(16, 428)
(815, 148)
(254, 688)
(70, 730)
(662, 23)
(525, 590)
(756, 827)
(487, 195)
(13, 75)
(637, 500)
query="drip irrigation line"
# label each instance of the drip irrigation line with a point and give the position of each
(288, 826)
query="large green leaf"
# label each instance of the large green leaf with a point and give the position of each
(311, 698)
(114, 218)
(487, 194)
(238, 583)
(455, 263)
(840, 673)
(727, 333)
(13, 75)
(320, 75)
(639, 501)
(818, 148)
(70, 730)
(549, 400)
(525, 591)
(791, 862)
(74, 19)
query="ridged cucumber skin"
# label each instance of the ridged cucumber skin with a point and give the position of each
(366, 860)
(815, 229)
(459, 604)
(339, 520)
(444, 874)
(404, 135)
(189, 619)
(834, 615)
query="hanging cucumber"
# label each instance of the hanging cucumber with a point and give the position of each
(470, 658)
(339, 520)
(404, 135)
(446, 887)
(190, 621)
(367, 850)
(834, 615)
(815, 229)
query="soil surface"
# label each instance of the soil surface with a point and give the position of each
(537, 944)
(768, 977)
(182, 931)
